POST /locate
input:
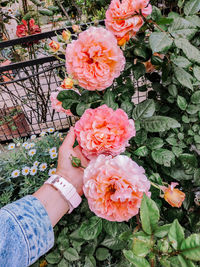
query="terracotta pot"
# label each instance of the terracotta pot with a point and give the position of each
(19, 121)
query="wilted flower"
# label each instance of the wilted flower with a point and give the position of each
(22, 29)
(55, 46)
(172, 195)
(114, 187)
(94, 59)
(104, 131)
(15, 173)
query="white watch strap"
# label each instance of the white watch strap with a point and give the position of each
(67, 190)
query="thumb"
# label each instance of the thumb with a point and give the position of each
(70, 138)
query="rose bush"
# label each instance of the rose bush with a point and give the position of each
(162, 62)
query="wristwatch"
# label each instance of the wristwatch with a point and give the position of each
(67, 190)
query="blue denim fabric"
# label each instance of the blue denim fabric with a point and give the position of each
(26, 232)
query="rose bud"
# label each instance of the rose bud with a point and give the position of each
(55, 46)
(66, 35)
(67, 83)
(76, 28)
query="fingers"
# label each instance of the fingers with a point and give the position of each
(69, 139)
(79, 154)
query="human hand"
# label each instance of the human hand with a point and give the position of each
(65, 169)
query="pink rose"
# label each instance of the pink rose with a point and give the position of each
(104, 131)
(94, 59)
(114, 187)
(57, 105)
(123, 17)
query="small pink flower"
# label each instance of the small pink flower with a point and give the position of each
(57, 105)
(104, 131)
(94, 59)
(123, 17)
(114, 187)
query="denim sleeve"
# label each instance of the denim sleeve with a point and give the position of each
(26, 232)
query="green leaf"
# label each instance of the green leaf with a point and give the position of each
(181, 262)
(114, 228)
(177, 151)
(194, 19)
(162, 231)
(45, 12)
(149, 215)
(197, 177)
(188, 160)
(90, 261)
(181, 102)
(156, 13)
(190, 247)
(135, 260)
(142, 244)
(163, 157)
(113, 243)
(195, 98)
(138, 70)
(176, 234)
(155, 142)
(102, 254)
(182, 28)
(127, 107)
(144, 109)
(141, 151)
(183, 77)
(191, 7)
(196, 71)
(172, 89)
(68, 97)
(81, 108)
(192, 109)
(91, 229)
(63, 263)
(160, 42)
(191, 52)
(71, 254)
(109, 100)
(53, 257)
(159, 124)
(181, 62)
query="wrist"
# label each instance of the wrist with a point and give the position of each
(66, 189)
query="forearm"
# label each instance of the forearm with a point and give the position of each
(55, 205)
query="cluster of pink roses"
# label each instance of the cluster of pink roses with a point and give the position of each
(124, 18)
(114, 186)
